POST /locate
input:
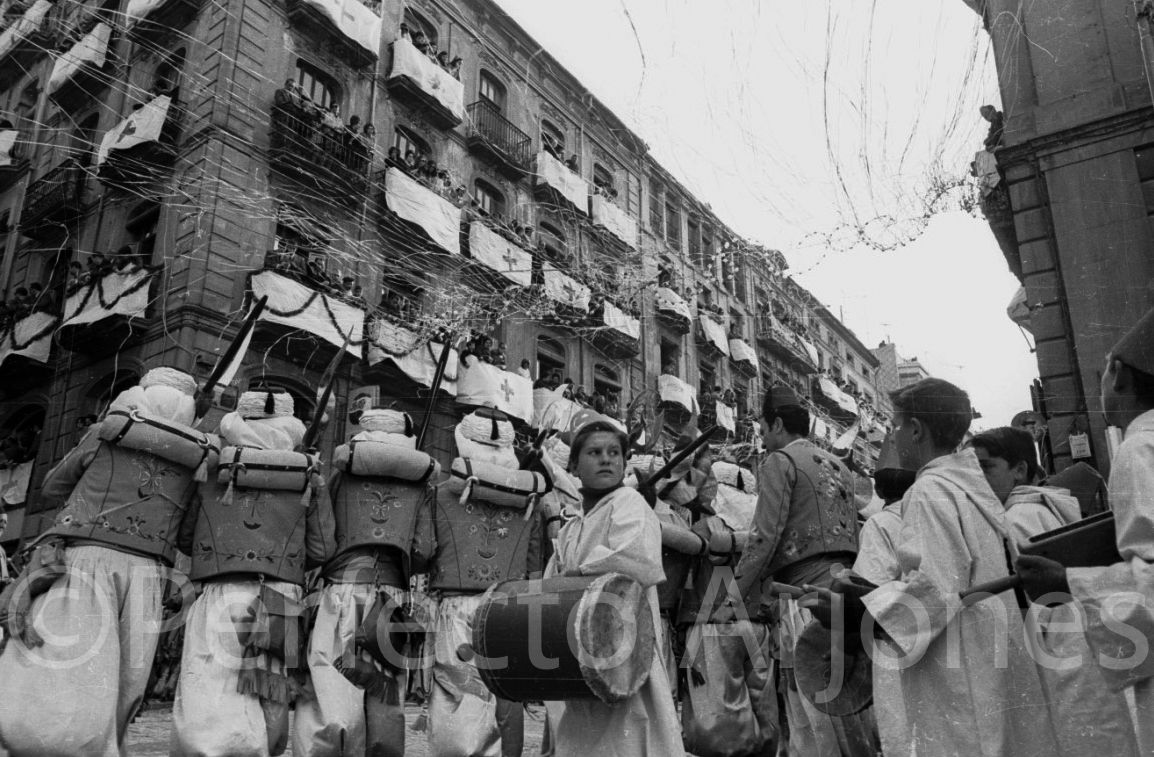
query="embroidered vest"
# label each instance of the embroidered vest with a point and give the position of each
(129, 498)
(249, 529)
(480, 542)
(822, 515)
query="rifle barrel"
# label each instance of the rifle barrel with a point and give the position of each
(677, 459)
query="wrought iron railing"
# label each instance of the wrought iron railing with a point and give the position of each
(60, 187)
(301, 132)
(487, 122)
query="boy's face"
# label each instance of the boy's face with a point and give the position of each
(1002, 476)
(600, 464)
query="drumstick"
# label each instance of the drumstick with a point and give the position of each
(977, 593)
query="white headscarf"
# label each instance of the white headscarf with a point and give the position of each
(164, 393)
(284, 433)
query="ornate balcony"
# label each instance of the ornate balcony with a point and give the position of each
(148, 19)
(495, 138)
(317, 154)
(84, 70)
(672, 310)
(618, 333)
(422, 83)
(25, 346)
(308, 324)
(785, 343)
(28, 38)
(398, 352)
(141, 145)
(711, 337)
(612, 218)
(353, 27)
(841, 406)
(571, 296)
(54, 199)
(101, 316)
(677, 396)
(13, 158)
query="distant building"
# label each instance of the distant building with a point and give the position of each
(911, 372)
(1071, 197)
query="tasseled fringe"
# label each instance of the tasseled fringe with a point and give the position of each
(495, 434)
(226, 498)
(469, 482)
(269, 404)
(740, 481)
(375, 683)
(201, 474)
(529, 508)
(258, 681)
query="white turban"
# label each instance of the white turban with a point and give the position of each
(390, 421)
(161, 400)
(171, 377)
(475, 440)
(283, 433)
(253, 405)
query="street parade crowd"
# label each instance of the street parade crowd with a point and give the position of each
(705, 603)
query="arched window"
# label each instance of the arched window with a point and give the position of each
(418, 23)
(551, 359)
(493, 90)
(603, 179)
(141, 228)
(317, 86)
(166, 78)
(304, 405)
(489, 199)
(103, 391)
(606, 390)
(552, 139)
(406, 139)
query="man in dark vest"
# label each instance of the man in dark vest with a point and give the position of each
(805, 523)
(76, 664)
(382, 499)
(265, 519)
(484, 535)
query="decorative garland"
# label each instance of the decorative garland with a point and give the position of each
(10, 334)
(308, 303)
(98, 287)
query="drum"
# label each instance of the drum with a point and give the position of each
(561, 638)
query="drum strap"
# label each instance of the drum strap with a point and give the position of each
(195, 437)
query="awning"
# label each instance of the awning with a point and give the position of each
(616, 318)
(118, 293)
(726, 417)
(742, 352)
(564, 289)
(144, 125)
(482, 383)
(293, 304)
(568, 184)
(615, 220)
(395, 344)
(14, 485)
(138, 10)
(355, 21)
(93, 49)
(820, 429)
(714, 333)
(672, 389)
(435, 81)
(25, 25)
(669, 300)
(494, 251)
(831, 390)
(1019, 309)
(30, 337)
(414, 202)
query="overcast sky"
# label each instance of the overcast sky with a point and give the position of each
(810, 127)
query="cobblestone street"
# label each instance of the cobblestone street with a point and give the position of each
(148, 735)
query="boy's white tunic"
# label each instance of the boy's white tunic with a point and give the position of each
(621, 534)
(877, 561)
(1088, 717)
(1122, 595)
(970, 686)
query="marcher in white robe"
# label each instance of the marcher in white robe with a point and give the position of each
(969, 685)
(1119, 599)
(1088, 716)
(616, 533)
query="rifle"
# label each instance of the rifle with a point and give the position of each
(203, 395)
(680, 457)
(438, 377)
(327, 380)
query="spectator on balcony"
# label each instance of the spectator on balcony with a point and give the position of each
(125, 258)
(443, 60)
(421, 42)
(98, 267)
(572, 164)
(21, 304)
(346, 288)
(289, 96)
(499, 356)
(75, 277)
(455, 67)
(406, 35)
(670, 368)
(444, 184)
(352, 130)
(369, 134)
(525, 371)
(412, 162)
(40, 300)
(997, 126)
